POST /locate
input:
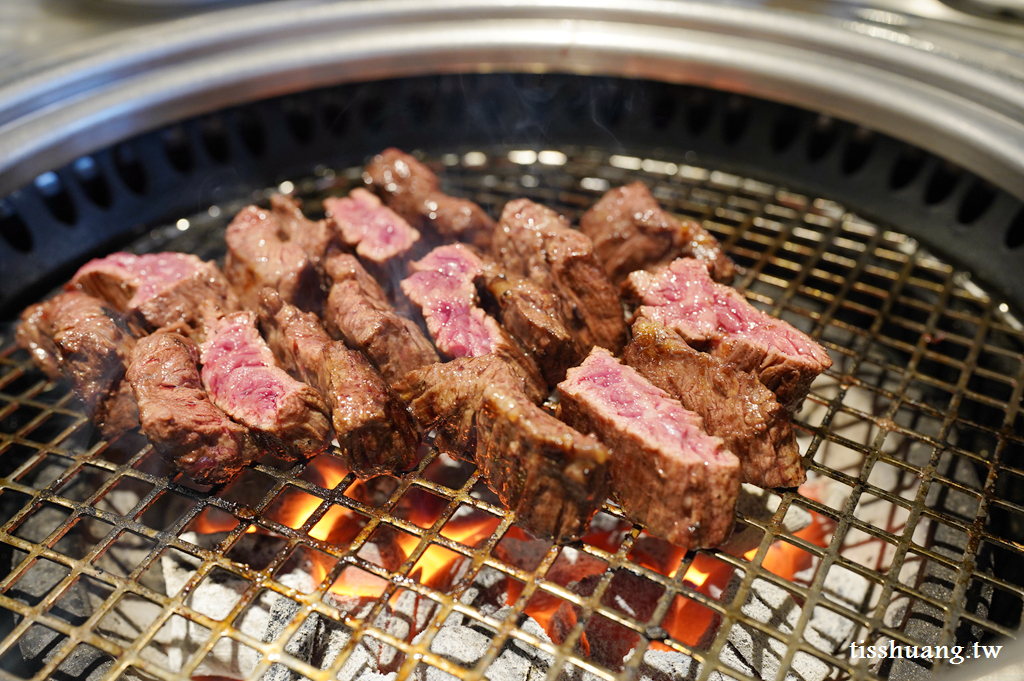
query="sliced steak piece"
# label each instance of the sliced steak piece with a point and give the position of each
(535, 242)
(533, 316)
(734, 404)
(81, 338)
(358, 312)
(316, 238)
(377, 232)
(717, 318)
(374, 429)
(412, 190)
(241, 378)
(342, 267)
(666, 471)
(551, 476)
(191, 432)
(260, 255)
(156, 289)
(442, 286)
(632, 232)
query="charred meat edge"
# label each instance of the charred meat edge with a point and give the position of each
(79, 337)
(734, 404)
(681, 483)
(242, 378)
(177, 416)
(375, 432)
(551, 476)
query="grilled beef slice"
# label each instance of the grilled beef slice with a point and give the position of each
(315, 238)
(551, 476)
(260, 254)
(156, 289)
(374, 429)
(191, 432)
(377, 232)
(81, 338)
(241, 378)
(442, 286)
(631, 232)
(533, 316)
(358, 312)
(717, 318)
(412, 190)
(666, 471)
(734, 404)
(536, 243)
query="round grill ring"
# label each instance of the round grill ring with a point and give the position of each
(925, 397)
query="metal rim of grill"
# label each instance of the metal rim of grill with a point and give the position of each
(939, 359)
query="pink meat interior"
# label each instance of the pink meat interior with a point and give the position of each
(442, 285)
(635, 405)
(149, 274)
(378, 232)
(683, 296)
(239, 370)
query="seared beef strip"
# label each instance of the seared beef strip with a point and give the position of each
(317, 238)
(666, 471)
(358, 313)
(631, 232)
(241, 378)
(551, 476)
(191, 432)
(717, 318)
(442, 286)
(260, 255)
(81, 338)
(377, 232)
(734, 404)
(156, 289)
(374, 429)
(342, 267)
(533, 316)
(412, 190)
(536, 243)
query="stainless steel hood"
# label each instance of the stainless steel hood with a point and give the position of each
(955, 88)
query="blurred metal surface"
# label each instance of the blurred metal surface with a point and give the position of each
(952, 88)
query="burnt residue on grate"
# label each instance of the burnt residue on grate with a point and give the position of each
(910, 527)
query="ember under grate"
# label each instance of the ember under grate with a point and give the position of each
(916, 515)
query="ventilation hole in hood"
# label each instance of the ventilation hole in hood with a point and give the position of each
(215, 139)
(786, 129)
(942, 183)
(178, 148)
(824, 135)
(735, 119)
(250, 130)
(858, 150)
(976, 202)
(700, 110)
(92, 181)
(56, 197)
(907, 167)
(13, 229)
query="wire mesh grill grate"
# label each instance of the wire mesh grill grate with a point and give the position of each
(912, 442)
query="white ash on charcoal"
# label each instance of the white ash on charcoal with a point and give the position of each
(771, 605)
(320, 640)
(464, 641)
(920, 621)
(489, 591)
(215, 597)
(758, 504)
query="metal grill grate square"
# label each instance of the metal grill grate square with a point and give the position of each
(912, 440)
